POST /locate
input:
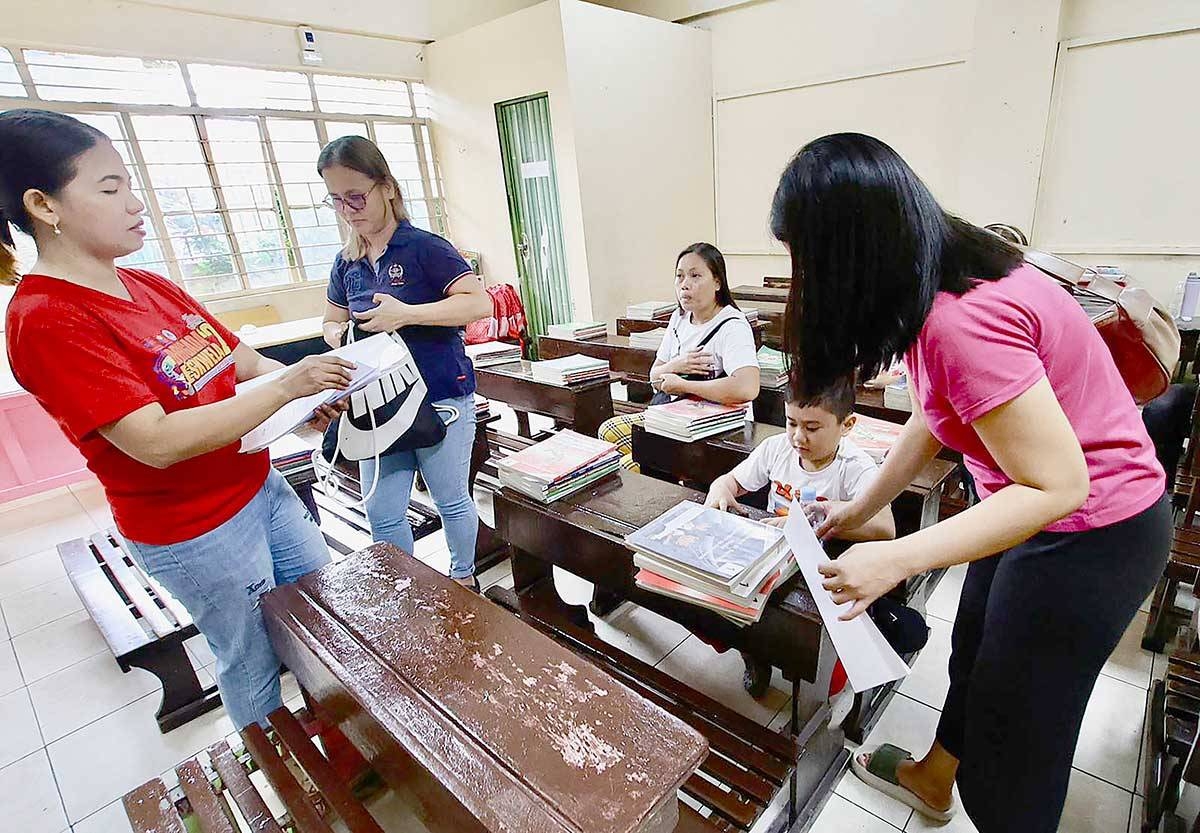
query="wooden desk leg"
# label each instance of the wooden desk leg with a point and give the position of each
(824, 754)
(533, 576)
(523, 429)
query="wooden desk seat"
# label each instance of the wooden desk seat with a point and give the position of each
(144, 626)
(1183, 567)
(488, 724)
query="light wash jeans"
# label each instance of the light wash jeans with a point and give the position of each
(445, 468)
(219, 576)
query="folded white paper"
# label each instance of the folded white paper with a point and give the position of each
(867, 657)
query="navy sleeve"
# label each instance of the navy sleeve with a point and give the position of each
(442, 263)
(337, 284)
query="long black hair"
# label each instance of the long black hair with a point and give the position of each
(870, 247)
(38, 150)
(715, 261)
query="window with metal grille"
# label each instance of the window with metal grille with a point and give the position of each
(225, 157)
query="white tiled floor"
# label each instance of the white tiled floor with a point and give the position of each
(76, 733)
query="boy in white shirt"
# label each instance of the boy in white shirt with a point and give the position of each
(814, 450)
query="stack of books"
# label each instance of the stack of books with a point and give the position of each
(875, 436)
(650, 310)
(483, 408)
(559, 466)
(772, 369)
(693, 419)
(714, 559)
(493, 352)
(569, 370)
(650, 339)
(895, 396)
(751, 315)
(577, 329)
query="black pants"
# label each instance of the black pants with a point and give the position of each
(1035, 625)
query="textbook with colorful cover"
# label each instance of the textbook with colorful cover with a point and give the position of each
(693, 419)
(718, 560)
(559, 466)
(875, 436)
(772, 368)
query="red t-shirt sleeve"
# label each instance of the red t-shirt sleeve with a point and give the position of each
(981, 353)
(76, 368)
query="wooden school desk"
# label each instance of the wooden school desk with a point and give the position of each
(475, 719)
(769, 406)
(628, 326)
(621, 357)
(289, 341)
(585, 534)
(582, 407)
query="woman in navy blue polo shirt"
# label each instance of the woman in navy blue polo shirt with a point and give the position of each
(394, 276)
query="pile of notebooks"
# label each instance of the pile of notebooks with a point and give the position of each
(559, 466)
(483, 408)
(577, 329)
(650, 339)
(492, 353)
(875, 436)
(569, 370)
(693, 419)
(772, 370)
(751, 315)
(650, 310)
(714, 559)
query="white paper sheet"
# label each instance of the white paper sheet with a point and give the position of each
(867, 657)
(374, 357)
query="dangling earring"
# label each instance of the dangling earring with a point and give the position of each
(57, 230)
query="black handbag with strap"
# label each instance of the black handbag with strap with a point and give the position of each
(661, 398)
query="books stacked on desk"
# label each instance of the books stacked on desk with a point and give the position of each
(577, 329)
(895, 396)
(875, 436)
(483, 408)
(492, 353)
(772, 370)
(751, 314)
(649, 340)
(559, 466)
(650, 310)
(693, 419)
(714, 559)
(569, 370)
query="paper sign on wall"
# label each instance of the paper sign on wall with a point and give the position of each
(534, 170)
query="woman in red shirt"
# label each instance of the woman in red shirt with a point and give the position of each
(140, 377)
(1005, 367)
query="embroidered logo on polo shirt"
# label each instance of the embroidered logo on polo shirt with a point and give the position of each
(189, 362)
(396, 274)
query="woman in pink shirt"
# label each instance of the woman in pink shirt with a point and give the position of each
(1004, 366)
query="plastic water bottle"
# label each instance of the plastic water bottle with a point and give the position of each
(808, 494)
(1191, 295)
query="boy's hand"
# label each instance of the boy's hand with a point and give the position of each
(778, 521)
(839, 518)
(724, 500)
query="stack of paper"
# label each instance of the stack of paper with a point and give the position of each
(711, 558)
(577, 329)
(492, 353)
(650, 339)
(693, 419)
(569, 370)
(650, 310)
(895, 396)
(772, 369)
(751, 314)
(483, 408)
(559, 466)
(875, 436)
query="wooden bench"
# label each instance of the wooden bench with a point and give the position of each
(144, 626)
(582, 407)
(486, 723)
(212, 785)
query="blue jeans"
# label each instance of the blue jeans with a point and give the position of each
(445, 468)
(219, 577)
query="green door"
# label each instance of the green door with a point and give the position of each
(527, 150)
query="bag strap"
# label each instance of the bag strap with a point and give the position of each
(1072, 274)
(709, 337)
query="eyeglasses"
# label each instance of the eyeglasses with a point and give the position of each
(352, 202)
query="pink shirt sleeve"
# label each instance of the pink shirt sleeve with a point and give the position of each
(981, 353)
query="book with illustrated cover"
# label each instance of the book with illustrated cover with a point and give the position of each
(711, 545)
(559, 466)
(875, 436)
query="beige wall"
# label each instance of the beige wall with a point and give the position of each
(640, 95)
(469, 73)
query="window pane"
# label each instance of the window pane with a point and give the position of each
(254, 212)
(423, 100)
(399, 147)
(256, 89)
(435, 173)
(296, 149)
(10, 82)
(338, 129)
(64, 76)
(343, 94)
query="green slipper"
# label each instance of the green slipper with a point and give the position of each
(880, 773)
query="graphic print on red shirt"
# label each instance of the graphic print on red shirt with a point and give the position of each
(90, 358)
